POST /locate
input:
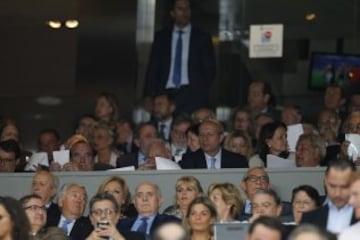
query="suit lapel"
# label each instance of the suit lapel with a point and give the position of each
(201, 160)
(353, 219)
(323, 216)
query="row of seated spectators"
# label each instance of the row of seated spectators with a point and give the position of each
(113, 212)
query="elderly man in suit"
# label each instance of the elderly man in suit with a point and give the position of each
(182, 61)
(72, 202)
(147, 202)
(336, 214)
(45, 184)
(211, 155)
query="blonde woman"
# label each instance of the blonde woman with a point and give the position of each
(118, 187)
(187, 188)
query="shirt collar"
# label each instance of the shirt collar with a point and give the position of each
(332, 206)
(185, 29)
(217, 155)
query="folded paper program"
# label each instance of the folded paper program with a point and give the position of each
(166, 164)
(354, 146)
(40, 158)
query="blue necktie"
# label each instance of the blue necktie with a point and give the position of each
(65, 224)
(178, 60)
(212, 165)
(143, 226)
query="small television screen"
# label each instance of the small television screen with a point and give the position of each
(328, 68)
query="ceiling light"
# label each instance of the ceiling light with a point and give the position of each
(55, 24)
(310, 16)
(72, 23)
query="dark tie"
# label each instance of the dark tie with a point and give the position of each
(178, 60)
(143, 226)
(162, 131)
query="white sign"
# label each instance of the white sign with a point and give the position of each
(266, 41)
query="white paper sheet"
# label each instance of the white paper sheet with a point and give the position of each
(278, 162)
(61, 157)
(129, 168)
(40, 158)
(166, 164)
(354, 147)
(293, 134)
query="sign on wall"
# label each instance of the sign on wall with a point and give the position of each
(266, 41)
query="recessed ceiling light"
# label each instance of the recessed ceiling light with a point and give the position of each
(310, 16)
(72, 23)
(55, 24)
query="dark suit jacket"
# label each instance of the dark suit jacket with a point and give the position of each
(126, 160)
(126, 224)
(228, 160)
(81, 229)
(319, 217)
(201, 65)
(53, 215)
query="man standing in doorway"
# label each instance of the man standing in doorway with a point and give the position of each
(182, 62)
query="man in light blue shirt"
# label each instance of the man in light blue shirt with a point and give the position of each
(336, 215)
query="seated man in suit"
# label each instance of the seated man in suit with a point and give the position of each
(256, 179)
(144, 133)
(268, 203)
(45, 185)
(211, 155)
(336, 214)
(353, 232)
(178, 141)
(163, 111)
(72, 202)
(156, 148)
(261, 99)
(147, 202)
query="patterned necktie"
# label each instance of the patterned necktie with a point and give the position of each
(212, 165)
(143, 226)
(178, 60)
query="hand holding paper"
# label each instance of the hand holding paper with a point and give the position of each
(61, 157)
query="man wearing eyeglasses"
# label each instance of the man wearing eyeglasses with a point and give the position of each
(72, 202)
(257, 179)
(104, 215)
(36, 212)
